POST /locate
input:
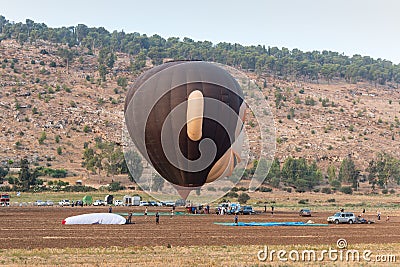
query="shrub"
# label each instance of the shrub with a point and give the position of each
(231, 194)
(392, 191)
(336, 183)
(243, 198)
(303, 201)
(265, 189)
(326, 190)
(288, 189)
(59, 150)
(115, 186)
(346, 190)
(331, 200)
(385, 191)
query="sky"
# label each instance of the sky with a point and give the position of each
(365, 27)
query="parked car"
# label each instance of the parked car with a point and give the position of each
(342, 217)
(49, 203)
(39, 203)
(248, 210)
(99, 202)
(144, 203)
(118, 202)
(153, 203)
(168, 203)
(64, 202)
(79, 203)
(305, 212)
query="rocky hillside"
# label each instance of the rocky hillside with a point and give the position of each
(49, 109)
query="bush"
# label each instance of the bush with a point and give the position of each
(243, 198)
(115, 186)
(331, 200)
(392, 191)
(326, 190)
(231, 194)
(316, 190)
(385, 191)
(346, 190)
(265, 189)
(336, 183)
(303, 201)
(288, 189)
(234, 189)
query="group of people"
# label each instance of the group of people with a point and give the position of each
(157, 216)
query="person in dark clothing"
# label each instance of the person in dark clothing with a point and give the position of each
(110, 209)
(157, 218)
(272, 210)
(236, 219)
(129, 219)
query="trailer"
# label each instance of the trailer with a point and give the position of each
(4, 200)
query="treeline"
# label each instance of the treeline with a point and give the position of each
(295, 63)
(382, 172)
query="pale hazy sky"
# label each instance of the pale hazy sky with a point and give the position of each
(366, 27)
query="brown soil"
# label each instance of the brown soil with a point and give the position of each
(40, 227)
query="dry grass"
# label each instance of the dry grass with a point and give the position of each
(177, 256)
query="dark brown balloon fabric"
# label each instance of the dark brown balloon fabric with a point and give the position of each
(157, 92)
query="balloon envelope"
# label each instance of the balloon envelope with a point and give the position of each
(186, 119)
(95, 218)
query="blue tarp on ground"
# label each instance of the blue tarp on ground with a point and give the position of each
(177, 213)
(271, 224)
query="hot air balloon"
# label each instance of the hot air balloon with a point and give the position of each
(186, 119)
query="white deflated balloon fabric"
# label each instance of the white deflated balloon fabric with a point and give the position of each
(95, 218)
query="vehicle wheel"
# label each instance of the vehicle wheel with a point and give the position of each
(337, 221)
(350, 222)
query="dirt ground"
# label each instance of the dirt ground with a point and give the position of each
(40, 227)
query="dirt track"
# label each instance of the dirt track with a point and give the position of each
(38, 227)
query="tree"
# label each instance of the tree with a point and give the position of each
(26, 177)
(67, 55)
(331, 173)
(157, 182)
(274, 172)
(3, 173)
(243, 198)
(383, 170)
(134, 161)
(348, 173)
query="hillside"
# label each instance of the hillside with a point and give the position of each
(38, 95)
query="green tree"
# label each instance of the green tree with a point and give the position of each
(331, 173)
(27, 178)
(134, 162)
(383, 170)
(157, 182)
(243, 198)
(348, 172)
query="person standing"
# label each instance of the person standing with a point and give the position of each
(110, 209)
(172, 213)
(157, 218)
(272, 210)
(129, 219)
(236, 219)
(145, 213)
(379, 215)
